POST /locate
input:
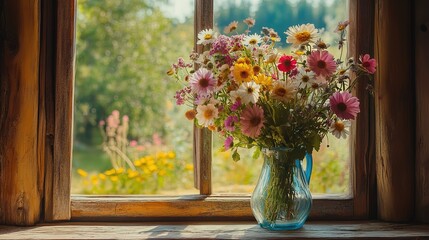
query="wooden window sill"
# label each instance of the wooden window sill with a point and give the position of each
(210, 230)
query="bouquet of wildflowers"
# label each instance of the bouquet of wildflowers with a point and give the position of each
(255, 94)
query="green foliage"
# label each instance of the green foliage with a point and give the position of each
(123, 50)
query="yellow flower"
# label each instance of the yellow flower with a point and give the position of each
(119, 170)
(110, 172)
(82, 172)
(137, 163)
(114, 178)
(162, 172)
(102, 176)
(243, 60)
(242, 72)
(94, 179)
(189, 167)
(133, 174)
(171, 154)
(263, 80)
(153, 168)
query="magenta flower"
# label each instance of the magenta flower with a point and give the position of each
(230, 123)
(203, 82)
(322, 63)
(252, 121)
(368, 63)
(229, 142)
(344, 105)
(286, 63)
(236, 105)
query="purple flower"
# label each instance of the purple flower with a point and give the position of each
(236, 105)
(230, 122)
(229, 142)
(220, 45)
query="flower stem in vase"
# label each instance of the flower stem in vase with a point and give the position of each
(280, 191)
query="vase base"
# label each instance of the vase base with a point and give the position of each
(281, 226)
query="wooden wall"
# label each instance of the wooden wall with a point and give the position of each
(421, 60)
(394, 108)
(36, 70)
(20, 188)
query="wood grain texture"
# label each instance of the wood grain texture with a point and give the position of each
(64, 84)
(47, 103)
(203, 19)
(361, 41)
(395, 149)
(421, 28)
(105, 208)
(20, 195)
(216, 230)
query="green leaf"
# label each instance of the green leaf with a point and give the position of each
(256, 153)
(235, 156)
(316, 141)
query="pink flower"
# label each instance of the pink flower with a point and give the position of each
(203, 82)
(236, 105)
(252, 121)
(286, 63)
(229, 142)
(368, 63)
(322, 63)
(344, 105)
(133, 143)
(230, 122)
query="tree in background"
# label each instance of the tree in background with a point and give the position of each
(124, 48)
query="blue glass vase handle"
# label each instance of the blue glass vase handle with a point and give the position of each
(309, 167)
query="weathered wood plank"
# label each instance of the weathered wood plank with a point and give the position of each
(216, 230)
(394, 91)
(47, 103)
(20, 181)
(421, 28)
(105, 208)
(361, 41)
(203, 19)
(64, 85)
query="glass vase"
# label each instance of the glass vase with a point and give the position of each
(282, 199)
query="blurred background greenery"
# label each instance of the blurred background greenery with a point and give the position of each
(124, 48)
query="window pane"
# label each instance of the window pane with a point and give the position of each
(129, 136)
(331, 164)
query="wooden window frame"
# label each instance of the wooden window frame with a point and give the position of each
(56, 110)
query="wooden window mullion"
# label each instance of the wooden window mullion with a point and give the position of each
(202, 137)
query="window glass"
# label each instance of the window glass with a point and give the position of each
(129, 135)
(331, 164)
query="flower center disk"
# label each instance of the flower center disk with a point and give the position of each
(303, 36)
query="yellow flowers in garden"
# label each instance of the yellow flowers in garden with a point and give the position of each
(150, 174)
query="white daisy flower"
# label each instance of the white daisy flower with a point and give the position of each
(248, 92)
(206, 36)
(283, 91)
(206, 114)
(339, 128)
(321, 45)
(301, 34)
(252, 40)
(305, 79)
